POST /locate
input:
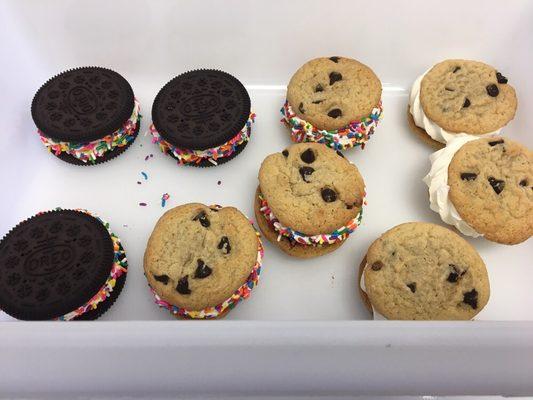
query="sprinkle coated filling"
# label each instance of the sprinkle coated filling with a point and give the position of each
(240, 294)
(89, 152)
(356, 133)
(120, 267)
(316, 240)
(186, 156)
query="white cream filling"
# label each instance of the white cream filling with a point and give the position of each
(377, 316)
(422, 121)
(437, 182)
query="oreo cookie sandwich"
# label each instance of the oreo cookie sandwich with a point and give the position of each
(211, 262)
(484, 187)
(460, 96)
(86, 115)
(335, 101)
(309, 199)
(421, 271)
(202, 118)
(61, 265)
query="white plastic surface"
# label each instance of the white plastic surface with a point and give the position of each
(262, 43)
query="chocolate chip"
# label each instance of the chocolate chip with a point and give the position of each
(306, 172)
(334, 77)
(376, 266)
(453, 277)
(161, 278)
(285, 153)
(466, 104)
(494, 143)
(449, 89)
(202, 270)
(224, 245)
(456, 69)
(203, 219)
(335, 113)
(335, 59)
(308, 156)
(456, 273)
(492, 90)
(470, 298)
(501, 78)
(412, 286)
(301, 108)
(328, 195)
(340, 154)
(523, 182)
(497, 184)
(468, 176)
(183, 285)
(317, 101)
(319, 88)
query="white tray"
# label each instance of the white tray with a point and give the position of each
(262, 43)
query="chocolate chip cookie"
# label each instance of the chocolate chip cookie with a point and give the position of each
(335, 101)
(421, 271)
(310, 199)
(491, 186)
(201, 261)
(461, 96)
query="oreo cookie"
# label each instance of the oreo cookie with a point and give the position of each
(60, 265)
(202, 118)
(86, 115)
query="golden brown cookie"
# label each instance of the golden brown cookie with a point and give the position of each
(311, 195)
(467, 96)
(421, 271)
(331, 92)
(491, 186)
(198, 257)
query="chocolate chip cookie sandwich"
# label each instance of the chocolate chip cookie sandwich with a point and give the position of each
(201, 261)
(61, 265)
(202, 118)
(460, 96)
(421, 271)
(484, 187)
(86, 115)
(335, 101)
(309, 199)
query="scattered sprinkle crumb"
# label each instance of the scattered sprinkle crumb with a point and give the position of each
(148, 156)
(219, 182)
(143, 204)
(125, 225)
(145, 175)
(138, 182)
(164, 199)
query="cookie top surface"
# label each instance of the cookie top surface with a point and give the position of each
(331, 92)
(197, 257)
(82, 104)
(424, 271)
(311, 188)
(491, 186)
(201, 109)
(467, 96)
(53, 263)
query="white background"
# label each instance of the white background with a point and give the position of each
(262, 43)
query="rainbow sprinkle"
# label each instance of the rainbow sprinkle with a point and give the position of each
(89, 152)
(185, 156)
(120, 267)
(240, 294)
(356, 133)
(145, 175)
(316, 240)
(164, 199)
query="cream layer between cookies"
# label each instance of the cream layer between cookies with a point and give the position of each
(422, 121)
(437, 182)
(377, 315)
